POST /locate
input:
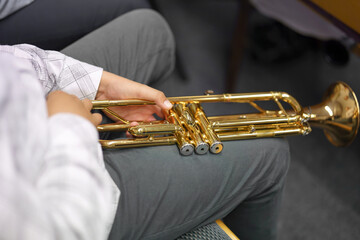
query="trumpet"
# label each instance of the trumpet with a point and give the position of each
(192, 130)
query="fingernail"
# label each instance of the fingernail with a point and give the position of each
(168, 104)
(133, 124)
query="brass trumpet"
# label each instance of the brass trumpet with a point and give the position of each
(188, 126)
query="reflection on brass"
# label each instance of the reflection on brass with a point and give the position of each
(188, 126)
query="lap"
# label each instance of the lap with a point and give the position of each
(164, 194)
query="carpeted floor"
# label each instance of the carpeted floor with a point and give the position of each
(322, 195)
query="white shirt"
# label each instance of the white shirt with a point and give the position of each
(53, 183)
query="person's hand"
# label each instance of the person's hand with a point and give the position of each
(61, 102)
(114, 87)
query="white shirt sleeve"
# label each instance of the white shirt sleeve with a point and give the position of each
(70, 199)
(57, 71)
(53, 184)
(72, 183)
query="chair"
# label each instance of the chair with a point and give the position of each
(213, 231)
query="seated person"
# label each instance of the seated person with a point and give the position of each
(53, 182)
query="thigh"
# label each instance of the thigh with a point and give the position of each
(138, 45)
(164, 194)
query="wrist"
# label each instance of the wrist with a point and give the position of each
(103, 86)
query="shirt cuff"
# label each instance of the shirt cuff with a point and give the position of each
(85, 86)
(96, 78)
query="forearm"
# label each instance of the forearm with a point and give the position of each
(110, 83)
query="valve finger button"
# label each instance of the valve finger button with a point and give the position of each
(216, 147)
(187, 149)
(202, 148)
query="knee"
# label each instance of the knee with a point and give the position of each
(151, 21)
(149, 15)
(279, 153)
(271, 163)
(155, 31)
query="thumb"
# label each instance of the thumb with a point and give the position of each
(96, 118)
(87, 104)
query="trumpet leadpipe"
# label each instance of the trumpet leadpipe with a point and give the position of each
(138, 142)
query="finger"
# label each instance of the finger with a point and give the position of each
(87, 104)
(158, 111)
(151, 118)
(165, 114)
(136, 113)
(128, 135)
(96, 118)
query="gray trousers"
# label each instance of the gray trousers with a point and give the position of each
(164, 194)
(54, 24)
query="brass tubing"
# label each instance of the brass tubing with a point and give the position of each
(122, 126)
(253, 121)
(113, 127)
(240, 135)
(253, 128)
(238, 97)
(232, 117)
(223, 136)
(138, 142)
(153, 129)
(268, 114)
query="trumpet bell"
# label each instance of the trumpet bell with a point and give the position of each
(338, 114)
